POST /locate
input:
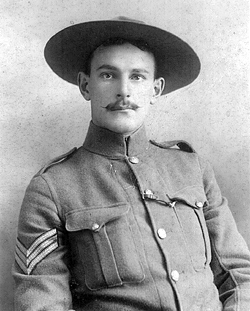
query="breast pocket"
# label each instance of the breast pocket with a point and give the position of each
(105, 246)
(188, 207)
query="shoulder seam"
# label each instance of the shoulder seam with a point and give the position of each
(56, 160)
(52, 194)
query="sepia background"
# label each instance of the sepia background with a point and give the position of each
(41, 116)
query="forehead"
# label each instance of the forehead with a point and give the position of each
(124, 55)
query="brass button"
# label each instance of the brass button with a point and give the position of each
(199, 204)
(95, 227)
(133, 160)
(175, 275)
(161, 233)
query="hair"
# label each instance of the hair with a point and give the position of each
(140, 44)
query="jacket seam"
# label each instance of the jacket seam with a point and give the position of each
(237, 300)
(236, 293)
(55, 201)
(230, 273)
(201, 172)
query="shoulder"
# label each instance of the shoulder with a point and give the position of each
(181, 145)
(181, 155)
(59, 159)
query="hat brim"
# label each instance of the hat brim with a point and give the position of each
(68, 50)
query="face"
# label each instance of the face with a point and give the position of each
(121, 87)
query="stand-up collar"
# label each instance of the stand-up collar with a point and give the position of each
(102, 141)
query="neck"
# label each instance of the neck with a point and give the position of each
(105, 142)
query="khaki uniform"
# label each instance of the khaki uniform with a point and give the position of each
(127, 224)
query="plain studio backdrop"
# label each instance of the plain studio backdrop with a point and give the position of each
(41, 116)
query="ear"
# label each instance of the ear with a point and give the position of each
(83, 83)
(159, 85)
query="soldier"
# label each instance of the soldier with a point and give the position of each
(123, 223)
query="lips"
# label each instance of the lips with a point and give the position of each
(121, 105)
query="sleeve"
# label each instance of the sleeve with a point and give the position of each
(230, 255)
(40, 270)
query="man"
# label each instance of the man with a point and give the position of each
(122, 223)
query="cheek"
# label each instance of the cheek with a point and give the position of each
(94, 90)
(146, 90)
(101, 92)
(144, 96)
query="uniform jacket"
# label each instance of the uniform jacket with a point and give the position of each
(128, 224)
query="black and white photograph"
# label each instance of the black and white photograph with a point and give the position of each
(125, 155)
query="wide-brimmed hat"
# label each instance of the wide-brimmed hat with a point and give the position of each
(68, 51)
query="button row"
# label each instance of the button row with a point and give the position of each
(174, 274)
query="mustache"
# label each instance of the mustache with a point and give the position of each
(122, 104)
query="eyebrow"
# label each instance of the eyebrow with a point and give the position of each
(106, 67)
(110, 67)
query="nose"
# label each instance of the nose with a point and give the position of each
(123, 90)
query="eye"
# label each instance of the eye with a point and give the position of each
(106, 75)
(138, 77)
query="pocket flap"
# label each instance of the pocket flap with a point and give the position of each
(192, 196)
(94, 218)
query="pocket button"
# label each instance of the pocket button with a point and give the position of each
(161, 233)
(175, 275)
(199, 204)
(95, 227)
(133, 160)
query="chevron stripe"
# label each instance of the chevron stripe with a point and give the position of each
(20, 263)
(27, 259)
(41, 256)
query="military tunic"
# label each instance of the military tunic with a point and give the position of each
(128, 224)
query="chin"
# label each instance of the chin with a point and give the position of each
(123, 129)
